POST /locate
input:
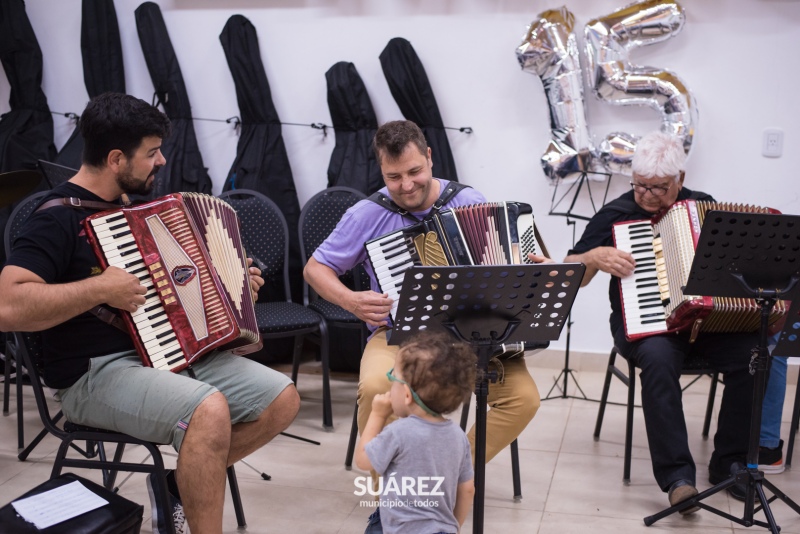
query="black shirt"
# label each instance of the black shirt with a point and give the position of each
(598, 234)
(53, 245)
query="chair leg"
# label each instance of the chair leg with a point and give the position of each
(626, 472)
(794, 425)
(351, 445)
(22, 456)
(60, 455)
(604, 397)
(712, 393)
(111, 478)
(296, 354)
(515, 478)
(236, 497)
(6, 381)
(98, 449)
(327, 410)
(20, 425)
(515, 471)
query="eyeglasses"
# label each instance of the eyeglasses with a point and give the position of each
(655, 190)
(414, 395)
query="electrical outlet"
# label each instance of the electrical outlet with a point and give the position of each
(772, 143)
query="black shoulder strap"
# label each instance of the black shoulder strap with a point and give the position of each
(101, 312)
(452, 189)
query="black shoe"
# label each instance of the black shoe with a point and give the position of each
(737, 491)
(679, 491)
(176, 507)
(770, 461)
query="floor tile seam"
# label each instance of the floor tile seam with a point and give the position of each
(687, 525)
(558, 459)
(273, 484)
(592, 516)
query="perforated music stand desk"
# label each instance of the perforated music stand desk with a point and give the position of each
(747, 255)
(486, 306)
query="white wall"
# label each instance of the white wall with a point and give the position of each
(739, 57)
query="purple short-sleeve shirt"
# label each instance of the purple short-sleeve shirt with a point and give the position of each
(344, 248)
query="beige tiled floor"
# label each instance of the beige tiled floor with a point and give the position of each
(570, 482)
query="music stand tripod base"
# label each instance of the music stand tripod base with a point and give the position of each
(487, 306)
(747, 255)
(585, 177)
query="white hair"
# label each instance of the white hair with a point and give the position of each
(658, 154)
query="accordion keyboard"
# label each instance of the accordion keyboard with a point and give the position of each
(642, 292)
(391, 257)
(159, 339)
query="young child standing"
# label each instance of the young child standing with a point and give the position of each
(423, 458)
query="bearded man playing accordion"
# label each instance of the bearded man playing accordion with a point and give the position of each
(230, 408)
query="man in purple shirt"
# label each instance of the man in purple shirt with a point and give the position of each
(405, 161)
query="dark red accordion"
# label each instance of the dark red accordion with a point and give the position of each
(187, 251)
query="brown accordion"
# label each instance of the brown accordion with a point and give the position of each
(187, 251)
(663, 247)
(492, 233)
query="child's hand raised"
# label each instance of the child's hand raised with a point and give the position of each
(382, 404)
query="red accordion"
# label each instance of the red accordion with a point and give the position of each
(663, 247)
(187, 251)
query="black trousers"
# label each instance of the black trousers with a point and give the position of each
(660, 359)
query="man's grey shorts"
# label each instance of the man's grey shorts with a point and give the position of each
(119, 394)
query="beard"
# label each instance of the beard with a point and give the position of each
(128, 183)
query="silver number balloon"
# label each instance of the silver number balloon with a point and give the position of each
(550, 51)
(614, 79)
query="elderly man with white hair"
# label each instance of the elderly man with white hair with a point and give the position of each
(658, 176)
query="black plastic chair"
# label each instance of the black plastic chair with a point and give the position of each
(55, 174)
(691, 366)
(16, 222)
(94, 456)
(793, 426)
(265, 236)
(318, 218)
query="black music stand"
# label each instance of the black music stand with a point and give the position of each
(486, 306)
(747, 255)
(575, 189)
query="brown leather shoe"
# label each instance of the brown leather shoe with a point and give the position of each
(679, 492)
